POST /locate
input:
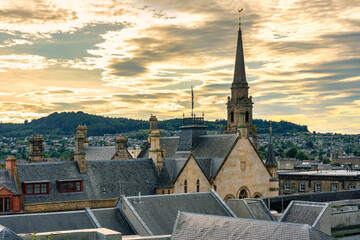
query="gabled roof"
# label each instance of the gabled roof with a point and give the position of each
(164, 177)
(7, 182)
(110, 218)
(304, 212)
(250, 208)
(127, 176)
(158, 212)
(209, 151)
(99, 153)
(7, 234)
(200, 226)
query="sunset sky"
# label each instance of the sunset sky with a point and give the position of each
(133, 58)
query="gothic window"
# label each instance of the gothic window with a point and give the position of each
(257, 195)
(243, 194)
(247, 116)
(229, 196)
(232, 116)
(198, 185)
(185, 186)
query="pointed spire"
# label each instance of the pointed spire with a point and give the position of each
(239, 74)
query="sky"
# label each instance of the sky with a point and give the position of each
(140, 57)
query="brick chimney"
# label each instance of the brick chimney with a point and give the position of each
(84, 130)
(79, 155)
(10, 164)
(36, 149)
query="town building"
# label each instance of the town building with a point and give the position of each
(318, 181)
(9, 193)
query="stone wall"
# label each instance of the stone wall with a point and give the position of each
(243, 169)
(69, 205)
(191, 173)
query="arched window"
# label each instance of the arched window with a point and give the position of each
(229, 196)
(232, 116)
(247, 116)
(185, 186)
(243, 192)
(257, 195)
(197, 185)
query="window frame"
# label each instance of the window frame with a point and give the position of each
(316, 189)
(285, 186)
(332, 187)
(300, 187)
(70, 186)
(36, 188)
(198, 185)
(185, 186)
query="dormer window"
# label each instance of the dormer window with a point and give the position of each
(73, 185)
(36, 188)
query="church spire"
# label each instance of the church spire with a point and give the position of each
(239, 73)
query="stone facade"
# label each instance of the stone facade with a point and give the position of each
(121, 149)
(192, 178)
(243, 169)
(309, 183)
(70, 205)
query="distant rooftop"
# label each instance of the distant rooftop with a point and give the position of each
(325, 173)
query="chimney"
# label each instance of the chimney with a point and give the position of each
(153, 122)
(79, 155)
(10, 164)
(83, 130)
(121, 143)
(36, 149)
(155, 152)
(242, 128)
(121, 149)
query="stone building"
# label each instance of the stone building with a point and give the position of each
(36, 149)
(318, 181)
(228, 163)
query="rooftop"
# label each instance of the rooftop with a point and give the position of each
(325, 173)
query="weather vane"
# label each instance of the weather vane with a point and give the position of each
(240, 10)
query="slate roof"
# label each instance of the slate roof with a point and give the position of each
(164, 177)
(199, 226)
(110, 218)
(209, 151)
(8, 182)
(304, 212)
(250, 208)
(159, 212)
(47, 222)
(117, 176)
(7, 234)
(99, 153)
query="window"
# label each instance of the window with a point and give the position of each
(198, 185)
(243, 194)
(169, 191)
(103, 188)
(247, 116)
(4, 204)
(317, 187)
(36, 188)
(334, 187)
(73, 186)
(232, 116)
(163, 191)
(286, 186)
(185, 186)
(302, 187)
(352, 187)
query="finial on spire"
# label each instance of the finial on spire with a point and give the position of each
(240, 10)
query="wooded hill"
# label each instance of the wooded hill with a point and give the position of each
(65, 123)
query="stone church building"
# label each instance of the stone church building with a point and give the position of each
(228, 163)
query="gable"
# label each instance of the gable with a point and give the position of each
(5, 191)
